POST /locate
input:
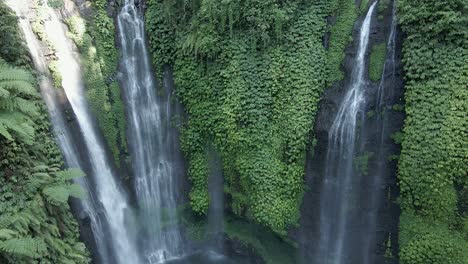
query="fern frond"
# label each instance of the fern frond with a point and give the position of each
(19, 104)
(69, 174)
(77, 191)
(30, 247)
(4, 132)
(19, 221)
(7, 234)
(17, 123)
(4, 93)
(19, 87)
(56, 195)
(10, 74)
(40, 168)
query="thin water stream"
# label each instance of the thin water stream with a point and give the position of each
(383, 99)
(339, 188)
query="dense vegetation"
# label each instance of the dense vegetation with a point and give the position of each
(251, 89)
(433, 165)
(35, 221)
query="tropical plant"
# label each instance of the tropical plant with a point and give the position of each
(17, 105)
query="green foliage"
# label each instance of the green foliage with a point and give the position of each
(12, 49)
(55, 74)
(95, 40)
(27, 247)
(361, 163)
(55, 3)
(433, 157)
(33, 192)
(423, 242)
(376, 61)
(198, 173)
(363, 6)
(16, 108)
(382, 6)
(345, 14)
(255, 102)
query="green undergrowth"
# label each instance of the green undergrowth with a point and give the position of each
(250, 90)
(99, 59)
(433, 162)
(345, 14)
(376, 61)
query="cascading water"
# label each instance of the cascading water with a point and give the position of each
(338, 192)
(216, 207)
(62, 134)
(151, 142)
(382, 148)
(115, 208)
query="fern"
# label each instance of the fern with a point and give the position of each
(58, 195)
(19, 124)
(69, 174)
(17, 221)
(4, 93)
(11, 74)
(16, 106)
(29, 247)
(7, 234)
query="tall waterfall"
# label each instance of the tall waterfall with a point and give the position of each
(111, 197)
(383, 102)
(61, 131)
(338, 193)
(151, 141)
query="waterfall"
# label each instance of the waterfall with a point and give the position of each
(109, 194)
(62, 134)
(216, 206)
(382, 98)
(151, 141)
(338, 194)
